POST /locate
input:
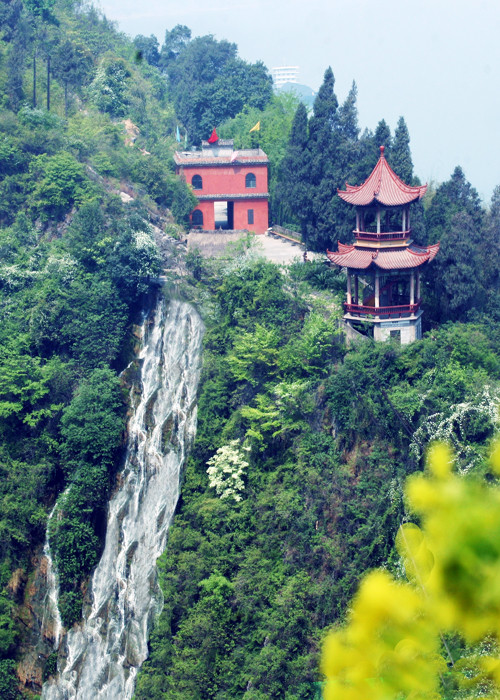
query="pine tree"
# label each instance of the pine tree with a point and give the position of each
(348, 116)
(490, 242)
(400, 156)
(489, 254)
(369, 151)
(453, 196)
(323, 149)
(348, 162)
(15, 67)
(455, 284)
(382, 137)
(293, 189)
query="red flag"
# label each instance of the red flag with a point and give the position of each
(213, 138)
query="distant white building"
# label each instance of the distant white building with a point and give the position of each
(284, 74)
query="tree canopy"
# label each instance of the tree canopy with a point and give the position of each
(209, 83)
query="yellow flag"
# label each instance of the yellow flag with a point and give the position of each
(255, 128)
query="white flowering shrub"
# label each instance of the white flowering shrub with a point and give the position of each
(454, 427)
(109, 88)
(144, 240)
(15, 276)
(63, 265)
(226, 469)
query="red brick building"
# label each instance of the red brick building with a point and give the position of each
(230, 185)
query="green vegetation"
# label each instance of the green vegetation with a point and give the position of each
(275, 124)
(391, 647)
(464, 283)
(91, 431)
(269, 543)
(76, 269)
(209, 83)
(294, 485)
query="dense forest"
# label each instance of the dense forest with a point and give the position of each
(294, 486)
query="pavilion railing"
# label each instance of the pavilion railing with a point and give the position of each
(403, 310)
(382, 236)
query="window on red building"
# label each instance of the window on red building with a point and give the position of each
(197, 182)
(250, 216)
(197, 217)
(250, 180)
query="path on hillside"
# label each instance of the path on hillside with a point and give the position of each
(277, 250)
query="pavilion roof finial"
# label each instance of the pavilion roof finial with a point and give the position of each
(382, 149)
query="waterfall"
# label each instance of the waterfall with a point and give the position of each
(105, 652)
(51, 621)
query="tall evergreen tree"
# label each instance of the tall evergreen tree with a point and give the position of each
(381, 137)
(72, 64)
(347, 164)
(15, 67)
(453, 196)
(369, 151)
(455, 283)
(348, 115)
(348, 131)
(323, 149)
(489, 253)
(400, 155)
(294, 190)
(401, 162)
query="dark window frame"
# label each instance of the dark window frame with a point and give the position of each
(197, 217)
(250, 216)
(197, 182)
(250, 181)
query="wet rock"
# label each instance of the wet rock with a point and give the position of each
(16, 585)
(38, 630)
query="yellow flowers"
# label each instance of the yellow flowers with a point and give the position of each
(387, 647)
(390, 647)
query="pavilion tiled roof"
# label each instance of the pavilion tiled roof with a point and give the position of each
(383, 186)
(386, 259)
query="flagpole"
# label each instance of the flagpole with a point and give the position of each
(254, 139)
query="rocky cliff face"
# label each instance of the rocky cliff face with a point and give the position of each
(39, 634)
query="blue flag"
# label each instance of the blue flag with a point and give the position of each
(178, 134)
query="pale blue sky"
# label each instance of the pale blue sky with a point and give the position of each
(437, 63)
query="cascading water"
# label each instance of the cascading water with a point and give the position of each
(51, 617)
(104, 654)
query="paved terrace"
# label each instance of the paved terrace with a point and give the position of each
(277, 250)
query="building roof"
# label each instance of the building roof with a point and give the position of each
(220, 143)
(386, 259)
(221, 156)
(383, 186)
(235, 195)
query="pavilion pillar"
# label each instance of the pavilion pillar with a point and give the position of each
(349, 295)
(412, 287)
(378, 220)
(418, 285)
(377, 290)
(356, 289)
(357, 220)
(403, 225)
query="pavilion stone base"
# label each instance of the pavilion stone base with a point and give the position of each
(406, 330)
